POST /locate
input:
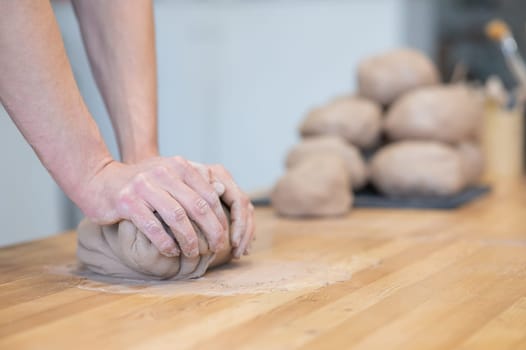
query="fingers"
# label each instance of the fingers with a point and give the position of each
(240, 210)
(147, 223)
(196, 208)
(199, 211)
(174, 215)
(200, 182)
(245, 245)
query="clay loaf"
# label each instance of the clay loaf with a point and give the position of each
(418, 168)
(121, 250)
(448, 113)
(356, 119)
(333, 145)
(317, 186)
(384, 78)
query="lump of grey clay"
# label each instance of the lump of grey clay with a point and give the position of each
(316, 187)
(384, 78)
(122, 251)
(356, 119)
(448, 113)
(473, 160)
(418, 168)
(331, 145)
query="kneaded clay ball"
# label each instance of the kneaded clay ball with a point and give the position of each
(448, 113)
(356, 119)
(384, 78)
(313, 146)
(473, 160)
(121, 250)
(418, 168)
(316, 187)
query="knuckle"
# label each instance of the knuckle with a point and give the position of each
(178, 159)
(160, 171)
(126, 194)
(211, 197)
(125, 202)
(205, 173)
(179, 214)
(218, 168)
(181, 163)
(140, 182)
(123, 208)
(201, 206)
(152, 229)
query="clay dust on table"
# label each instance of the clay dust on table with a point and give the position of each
(241, 277)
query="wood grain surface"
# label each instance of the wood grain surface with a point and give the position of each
(376, 279)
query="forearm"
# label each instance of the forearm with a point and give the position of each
(120, 41)
(38, 91)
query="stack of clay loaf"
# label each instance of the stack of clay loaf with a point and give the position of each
(420, 136)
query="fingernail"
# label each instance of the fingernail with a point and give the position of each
(236, 239)
(194, 253)
(168, 249)
(219, 188)
(220, 245)
(174, 252)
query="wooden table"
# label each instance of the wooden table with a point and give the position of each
(377, 279)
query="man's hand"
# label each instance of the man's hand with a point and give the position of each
(173, 188)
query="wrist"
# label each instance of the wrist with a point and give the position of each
(90, 193)
(133, 155)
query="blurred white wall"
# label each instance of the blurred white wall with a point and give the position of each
(31, 204)
(235, 79)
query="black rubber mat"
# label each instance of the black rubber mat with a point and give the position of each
(370, 198)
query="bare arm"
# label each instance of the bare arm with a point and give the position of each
(120, 41)
(38, 91)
